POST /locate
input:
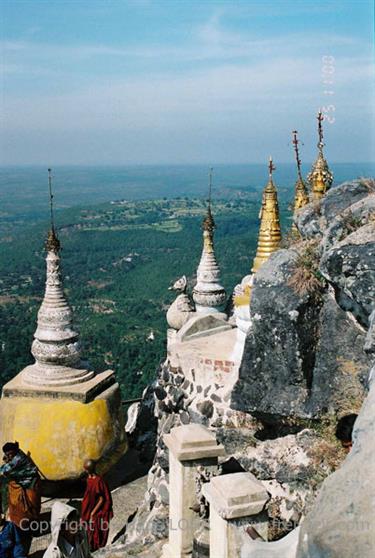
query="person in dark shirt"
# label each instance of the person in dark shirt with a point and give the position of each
(10, 540)
(23, 489)
(344, 431)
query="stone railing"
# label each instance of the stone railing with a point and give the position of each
(190, 446)
(237, 501)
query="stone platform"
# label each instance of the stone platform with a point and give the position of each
(83, 392)
(62, 426)
(210, 357)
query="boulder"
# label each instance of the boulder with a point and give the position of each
(339, 376)
(307, 355)
(285, 459)
(315, 217)
(305, 360)
(290, 467)
(349, 266)
(275, 377)
(141, 425)
(342, 521)
(348, 221)
(342, 196)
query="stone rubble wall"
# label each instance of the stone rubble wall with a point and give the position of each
(195, 392)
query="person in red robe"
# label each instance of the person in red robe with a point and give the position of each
(97, 508)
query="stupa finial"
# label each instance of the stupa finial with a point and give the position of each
(56, 347)
(52, 243)
(208, 222)
(208, 293)
(271, 167)
(210, 187)
(51, 198)
(269, 231)
(301, 197)
(320, 177)
(296, 150)
(320, 119)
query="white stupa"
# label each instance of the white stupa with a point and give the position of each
(208, 294)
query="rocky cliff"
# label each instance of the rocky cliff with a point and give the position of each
(342, 521)
(305, 364)
(311, 305)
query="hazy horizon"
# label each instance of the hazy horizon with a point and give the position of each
(205, 164)
(108, 83)
(24, 189)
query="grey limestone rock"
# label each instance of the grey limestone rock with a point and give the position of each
(350, 267)
(342, 521)
(276, 373)
(206, 408)
(370, 337)
(348, 221)
(305, 356)
(314, 219)
(142, 425)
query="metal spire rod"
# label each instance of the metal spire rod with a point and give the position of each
(271, 166)
(320, 119)
(52, 243)
(51, 199)
(210, 188)
(295, 143)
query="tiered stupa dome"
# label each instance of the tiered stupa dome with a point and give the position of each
(208, 294)
(56, 347)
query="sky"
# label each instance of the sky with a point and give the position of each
(101, 82)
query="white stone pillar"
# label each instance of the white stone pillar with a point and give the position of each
(189, 446)
(236, 501)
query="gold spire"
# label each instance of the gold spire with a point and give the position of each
(269, 231)
(320, 176)
(301, 197)
(52, 242)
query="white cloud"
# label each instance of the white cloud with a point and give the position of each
(229, 88)
(165, 98)
(209, 42)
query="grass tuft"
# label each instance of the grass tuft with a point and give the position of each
(369, 183)
(350, 224)
(306, 277)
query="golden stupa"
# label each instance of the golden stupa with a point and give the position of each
(269, 232)
(320, 176)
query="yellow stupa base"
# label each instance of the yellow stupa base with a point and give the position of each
(266, 247)
(244, 298)
(260, 260)
(295, 232)
(60, 433)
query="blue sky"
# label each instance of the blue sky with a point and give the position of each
(121, 82)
